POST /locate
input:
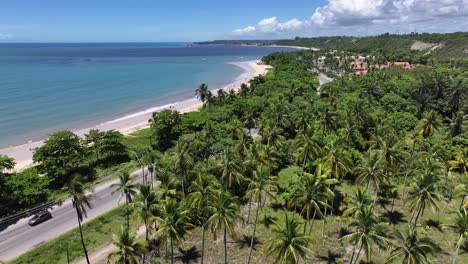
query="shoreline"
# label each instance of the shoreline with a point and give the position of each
(22, 153)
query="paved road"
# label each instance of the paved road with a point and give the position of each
(20, 237)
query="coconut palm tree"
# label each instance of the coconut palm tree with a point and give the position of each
(144, 204)
(460, 227)
(425, 190)
(306, 148)
(411, 248)
(459, 161)
(312, 194)
(174, 223)
(225, 215)
(202, 92)
(370, 170)
(202, 194)
(289, 244)
(127, 189)
(231, 170)
(335, 158)
(429, 124)
(261, 185)
(81, 200)
(361, 198)
(183, 160)
(458, 124)
(366, 231)
(244, 90)
(129, 249)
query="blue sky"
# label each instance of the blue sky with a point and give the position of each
(176, 20)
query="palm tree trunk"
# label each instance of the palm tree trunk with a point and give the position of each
(457, 250)
(462, 201)
(417, 215)
(304, 162)
(81, 235)
(127, 212)
(225, 246)
(324, 220)
(254, 230)
(203, 242)
(250, 206)
(359, 253)
(183, 183)
(312, 222)
(172, 251)
(352, 255)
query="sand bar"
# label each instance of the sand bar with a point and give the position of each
(136, 121)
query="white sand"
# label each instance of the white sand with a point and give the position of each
(133, 122)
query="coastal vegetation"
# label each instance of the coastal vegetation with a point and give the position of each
(369, 169)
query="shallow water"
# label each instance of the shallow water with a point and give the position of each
(49, 87)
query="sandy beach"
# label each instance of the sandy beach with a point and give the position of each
(136, 121)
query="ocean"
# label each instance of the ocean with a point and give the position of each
(49, 87)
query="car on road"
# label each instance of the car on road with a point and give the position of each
(39, 218)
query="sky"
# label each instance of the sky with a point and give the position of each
(189, 20)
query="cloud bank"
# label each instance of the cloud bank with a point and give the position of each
(364, 17)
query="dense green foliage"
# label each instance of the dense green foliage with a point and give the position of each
(367, 156)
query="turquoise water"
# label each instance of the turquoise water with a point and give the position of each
(49, 87)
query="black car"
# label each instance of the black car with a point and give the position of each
(39, 218)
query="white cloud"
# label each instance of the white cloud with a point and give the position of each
(4, 36)
(270, 25)
(244, 31)
(369, 17)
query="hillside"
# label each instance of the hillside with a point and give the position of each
(441, 46)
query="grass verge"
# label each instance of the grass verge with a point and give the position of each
(97, 232)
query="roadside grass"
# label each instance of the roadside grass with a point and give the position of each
(97, 232)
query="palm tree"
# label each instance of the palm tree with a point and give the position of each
(183, 159)
(460, 227)
(225, 214)
(367, 231)
(144, 204)
(459, 162)
(361, 198)
(336, 158)
(81, 201)
(127, 189)
(203, 193)
(312, 194)
(231, 170)
(412, 249)
(306, 147)
(458, 124)
(262, 185)
(174, 223)
(429, 124)
(129, 249)
(289, 244)
(370, 170)
(202, 92)
(425, 190)
(244, 90)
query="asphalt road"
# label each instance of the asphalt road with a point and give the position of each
(20, 237)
